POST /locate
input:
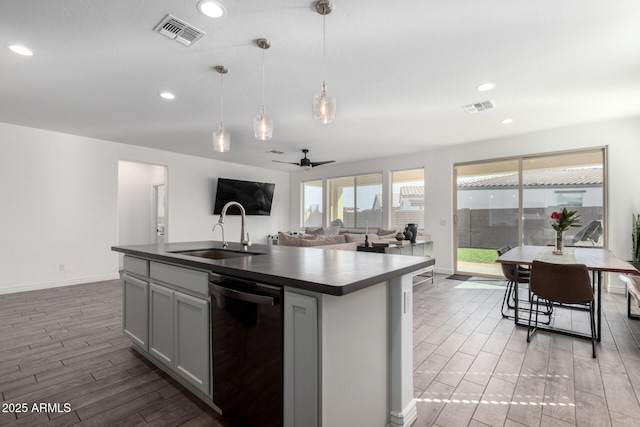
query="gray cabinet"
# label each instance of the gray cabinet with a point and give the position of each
(161, 308)
(135, 310)
(166, 315)
(301, 371)
(192, 340)
(179, 334)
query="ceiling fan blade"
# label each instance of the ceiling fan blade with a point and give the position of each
(314, 164)
(289, 163)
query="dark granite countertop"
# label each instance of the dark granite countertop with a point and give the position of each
(333, 272)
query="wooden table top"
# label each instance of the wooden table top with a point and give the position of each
(596, 259)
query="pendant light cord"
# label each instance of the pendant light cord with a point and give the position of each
(324, 48)
(221, 102)
(263, 78)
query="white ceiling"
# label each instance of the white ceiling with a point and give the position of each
(400, 71)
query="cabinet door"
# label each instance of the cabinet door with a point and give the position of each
(135, 310)
(301, 384)
(161, 323)
(192, 341)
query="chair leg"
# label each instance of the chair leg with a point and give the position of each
(505, 300)
(530, 332)
(593, 330)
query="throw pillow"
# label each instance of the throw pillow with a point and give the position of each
(331, 231)
(314, 230)
(286, 240)
(383, 232)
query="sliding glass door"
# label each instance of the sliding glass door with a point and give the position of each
(573, 181)
(487, 213)
(509, 202)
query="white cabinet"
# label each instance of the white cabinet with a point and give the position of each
(135, 310)
(301, 376)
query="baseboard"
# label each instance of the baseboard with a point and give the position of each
(47, 285)
(407, 417)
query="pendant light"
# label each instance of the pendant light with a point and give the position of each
(324, 105)
(262, 125)
(221, 139)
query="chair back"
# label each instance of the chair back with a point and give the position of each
(510, 271)
(563, 283)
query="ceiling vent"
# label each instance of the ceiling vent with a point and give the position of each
(275, 152)
(179, 30)
(478, 107)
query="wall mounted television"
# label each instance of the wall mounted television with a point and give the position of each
(255, 197)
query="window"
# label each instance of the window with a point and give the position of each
(356, 201)
(312, 204)
(570, 198)
(407, 198)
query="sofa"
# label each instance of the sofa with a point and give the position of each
(335, 238)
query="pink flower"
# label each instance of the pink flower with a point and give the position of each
(556, 215)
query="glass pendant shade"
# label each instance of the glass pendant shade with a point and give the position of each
(263, 126)
(221, 140)
(324, 106)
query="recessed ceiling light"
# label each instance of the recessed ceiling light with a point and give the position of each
(211, 9)
(485, 87)
(167, 95)
(506, 121)
(20, 50)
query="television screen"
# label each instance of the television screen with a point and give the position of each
(255, 197)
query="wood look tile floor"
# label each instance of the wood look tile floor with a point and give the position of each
(471, 366)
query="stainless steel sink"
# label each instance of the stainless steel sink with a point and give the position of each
(217, 253)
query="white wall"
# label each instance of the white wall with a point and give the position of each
(59, 213)
(622, 138)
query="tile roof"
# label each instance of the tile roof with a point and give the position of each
(580, 177)
(412, 191)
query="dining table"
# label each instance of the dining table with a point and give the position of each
(597, 260)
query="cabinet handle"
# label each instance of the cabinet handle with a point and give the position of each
(243, 296)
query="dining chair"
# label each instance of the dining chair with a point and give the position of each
(512, 274)
(562, 284)
(515, 275)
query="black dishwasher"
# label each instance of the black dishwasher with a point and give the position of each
(247, 349)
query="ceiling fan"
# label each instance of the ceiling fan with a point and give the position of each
(305, 163)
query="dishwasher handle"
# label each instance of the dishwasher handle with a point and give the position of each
(243, 296)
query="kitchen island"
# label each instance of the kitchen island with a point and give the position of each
(348, 336)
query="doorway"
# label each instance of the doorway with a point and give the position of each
(159, 207)
(142, 203)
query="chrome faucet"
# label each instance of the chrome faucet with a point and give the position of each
(245, 243)
(224, 242)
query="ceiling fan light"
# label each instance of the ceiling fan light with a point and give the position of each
(306, 167)
(221, 140)
(324, 106)
(263, 126)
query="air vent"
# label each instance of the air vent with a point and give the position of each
(275, 152)
(179, 31)
(478, 107)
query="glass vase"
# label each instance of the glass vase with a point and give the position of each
(559, 240)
